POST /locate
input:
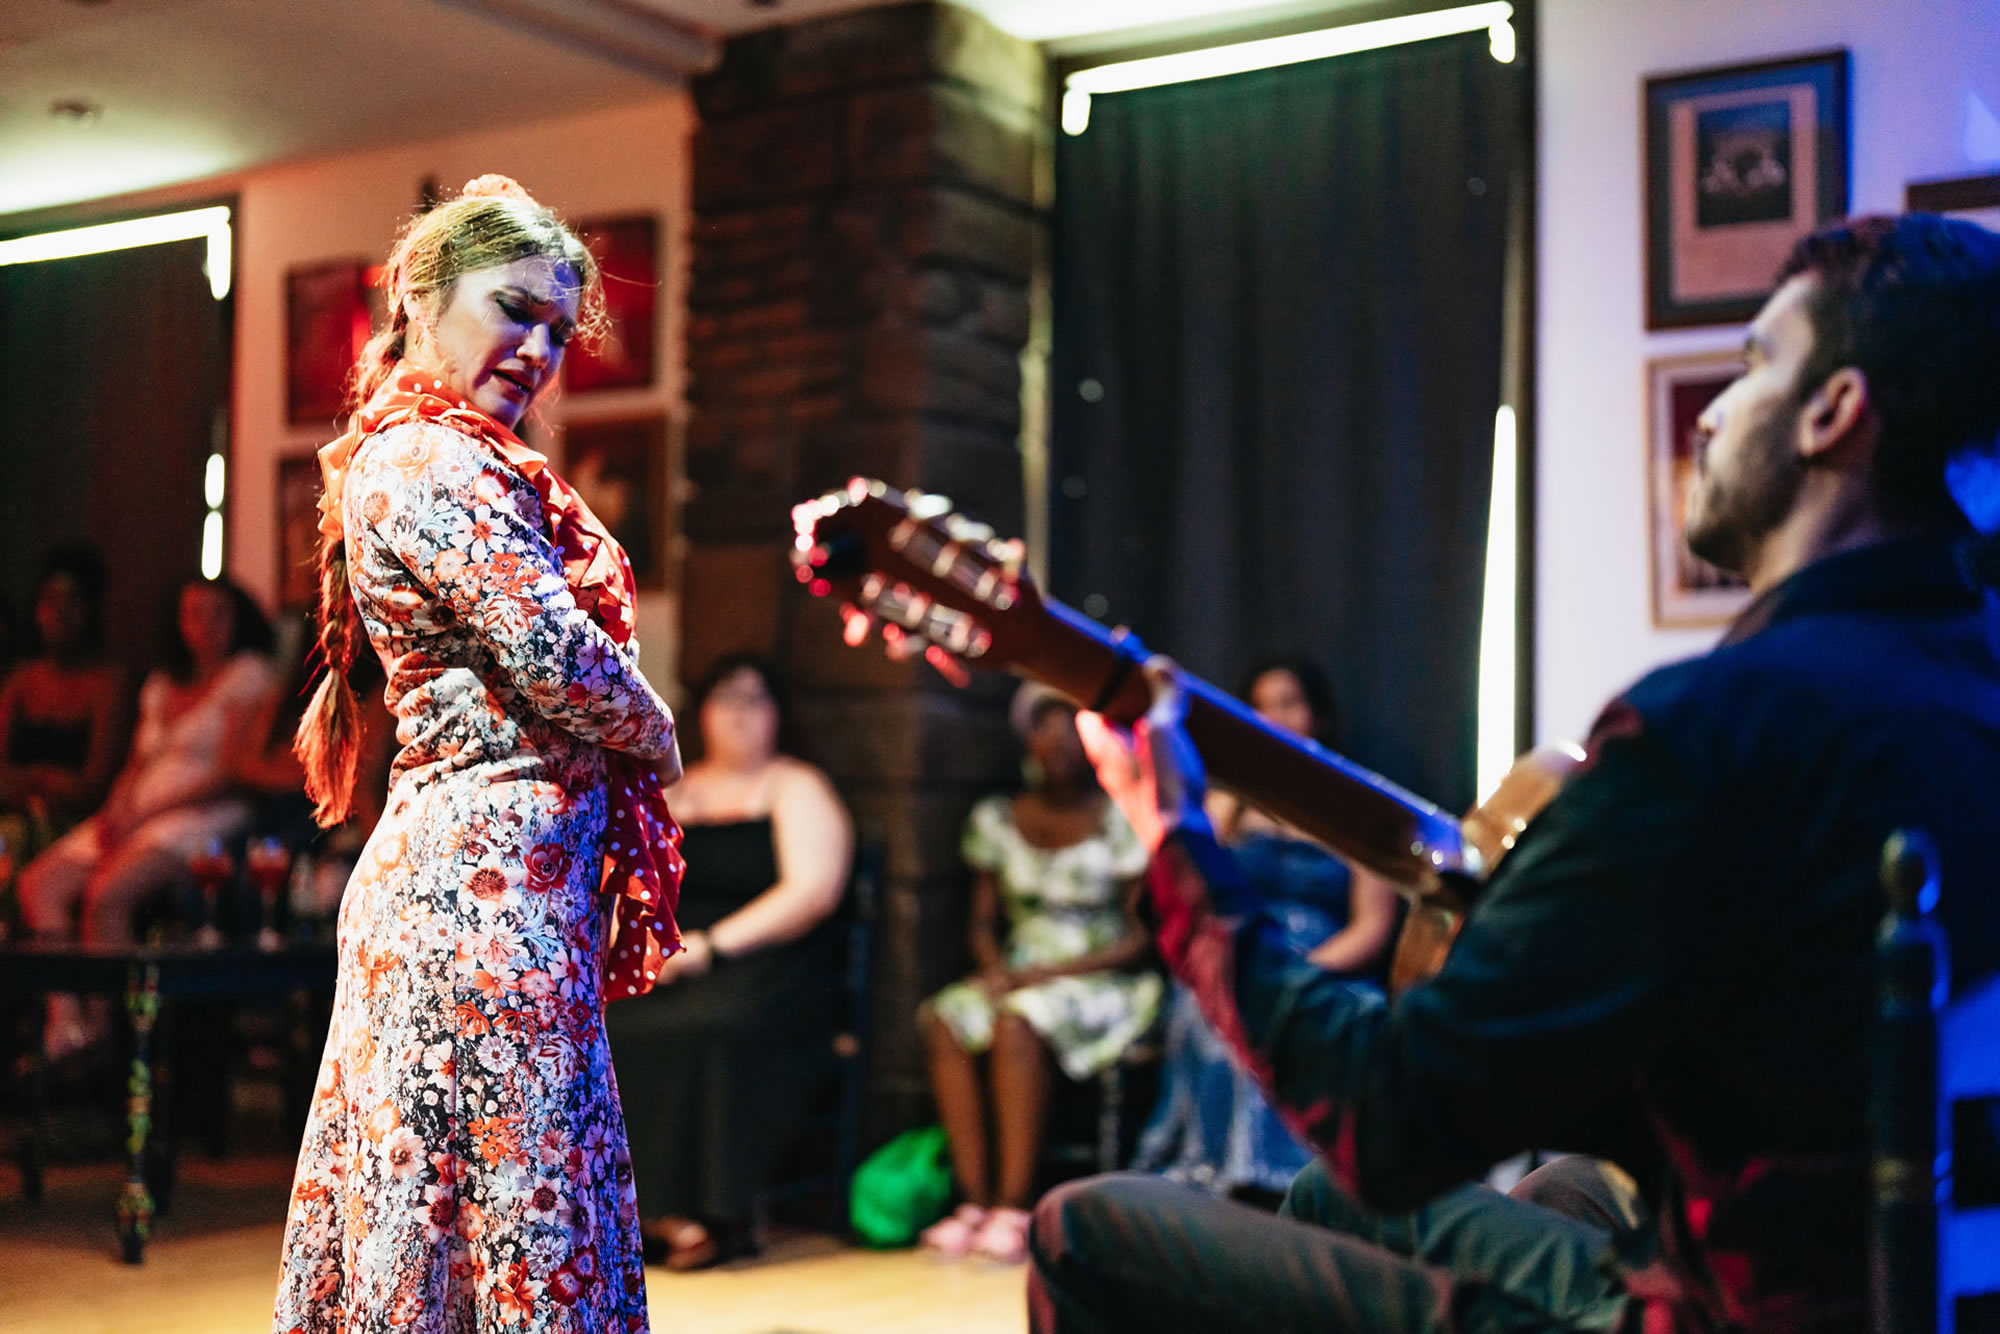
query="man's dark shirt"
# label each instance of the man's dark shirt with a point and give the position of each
(1691, 921)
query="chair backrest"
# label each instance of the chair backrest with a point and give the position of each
(1935, 1118)
(859, 911)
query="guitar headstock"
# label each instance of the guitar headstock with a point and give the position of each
(934, 580)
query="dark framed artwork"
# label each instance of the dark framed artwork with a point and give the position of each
(298, 532)
(1687, 591)
(619, 467)
(1740, 163)
(627, 251)
(1974, 198)
(330, 311)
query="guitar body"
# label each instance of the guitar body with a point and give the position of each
(940, 584)
(1434, 918)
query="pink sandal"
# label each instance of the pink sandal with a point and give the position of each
(953, 1235)
(1003, 1236)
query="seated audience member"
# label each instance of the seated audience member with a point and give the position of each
(1212, 1127)
(1688, 926)
(1055, 874)
(65, 714)
(176, 793)
(715, 1064)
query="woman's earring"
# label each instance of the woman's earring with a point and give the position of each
(1032, 772)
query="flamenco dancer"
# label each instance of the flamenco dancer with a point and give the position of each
(464, 1165)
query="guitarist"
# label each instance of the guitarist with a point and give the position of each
(1688, 925)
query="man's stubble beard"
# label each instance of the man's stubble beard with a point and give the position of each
(1736, 514)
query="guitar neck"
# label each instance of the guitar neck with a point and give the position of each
(1359, 814)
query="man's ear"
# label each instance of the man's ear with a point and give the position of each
(1839, 413)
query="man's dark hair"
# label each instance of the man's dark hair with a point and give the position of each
(1913, 302)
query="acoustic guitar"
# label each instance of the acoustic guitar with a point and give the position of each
(943, 585)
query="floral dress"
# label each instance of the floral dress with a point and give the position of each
(1060, 904)
(464, 1165)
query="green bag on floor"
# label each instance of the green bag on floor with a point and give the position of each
(902, 1188)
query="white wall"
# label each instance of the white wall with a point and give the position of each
(1925, 86)
(631, 159)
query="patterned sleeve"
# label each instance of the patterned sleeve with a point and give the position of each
(471, 530)
(981, 844)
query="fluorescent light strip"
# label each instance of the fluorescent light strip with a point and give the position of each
(1241, 57)
(1498, 620)
(211, 223)
(211, 545)
(215, 481)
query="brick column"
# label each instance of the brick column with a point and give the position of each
(865, 231)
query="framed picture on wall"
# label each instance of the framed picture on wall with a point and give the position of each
(627, 251)
(1740, 163)
(1975, 198)
(1687, 591)
(298, 532)
(330, 311)
(619, 467)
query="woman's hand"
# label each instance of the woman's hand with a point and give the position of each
(695, 957)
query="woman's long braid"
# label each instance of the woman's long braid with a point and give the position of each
(328, 742)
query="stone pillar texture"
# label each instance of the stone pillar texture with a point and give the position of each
(865, 231)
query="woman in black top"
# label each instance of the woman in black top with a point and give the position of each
(65, 712)
(713, 1064)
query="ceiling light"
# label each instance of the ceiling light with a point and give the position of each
(211, 223)
(1242, 57)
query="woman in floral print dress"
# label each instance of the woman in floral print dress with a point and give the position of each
(464, 1166)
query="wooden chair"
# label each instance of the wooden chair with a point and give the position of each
(1935, 1118)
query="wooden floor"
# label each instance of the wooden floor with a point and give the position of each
(212, 1269)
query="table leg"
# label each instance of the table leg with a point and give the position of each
(29, 1155)
(135, 1205)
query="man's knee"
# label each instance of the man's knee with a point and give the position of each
(1315, 1197)
(1055, 1237)
(1591, 1190)
(1061, 1215)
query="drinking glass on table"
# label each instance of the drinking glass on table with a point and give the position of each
(269, 863)
(211, 868)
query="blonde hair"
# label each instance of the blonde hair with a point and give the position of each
(493, 221)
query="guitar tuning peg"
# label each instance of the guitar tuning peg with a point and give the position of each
(969, 532)
(900, 646)
(927, 505)
(950, 668)
(854, 625)
(1011, 553)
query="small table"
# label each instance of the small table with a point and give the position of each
(144, 975)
